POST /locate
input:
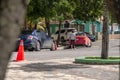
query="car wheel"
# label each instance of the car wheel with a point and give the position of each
(38, 46)
(89, 44)
(53, 47)
(30, 49)
(62, 39)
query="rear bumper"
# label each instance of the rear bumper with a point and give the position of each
(27, 45)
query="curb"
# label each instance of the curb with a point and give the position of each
(60, 48)
(96, 61)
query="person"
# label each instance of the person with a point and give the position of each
(72, 39)
(67, 24)
(34, 32)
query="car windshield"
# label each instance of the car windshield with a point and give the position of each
(62, 31)
(80, 34)
(70, 30)
(57, 32)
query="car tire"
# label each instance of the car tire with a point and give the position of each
(89, 44)
(38, 46)
(62, 39)
(32, 49)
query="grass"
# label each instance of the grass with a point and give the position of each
(100, 57)
(97, 60)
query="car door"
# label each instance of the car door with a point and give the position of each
(48, 42)
(45, 40)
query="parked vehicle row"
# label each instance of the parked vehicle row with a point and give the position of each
(36, 40)
(65, 32)
(82, 38)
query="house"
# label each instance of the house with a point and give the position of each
(81, 26)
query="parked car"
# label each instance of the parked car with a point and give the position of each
(117, 32)
(82, 39)
(90, 36)
(36, 40)
(64, 34)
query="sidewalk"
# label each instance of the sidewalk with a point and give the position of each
(60, 69)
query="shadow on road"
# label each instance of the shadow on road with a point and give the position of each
(48, 66)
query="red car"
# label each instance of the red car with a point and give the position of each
(82, 39)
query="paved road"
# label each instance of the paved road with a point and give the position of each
(58, 65)
(95, 50)
(60, 69)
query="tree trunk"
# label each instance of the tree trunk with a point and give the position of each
(93, 28)
(112, 28)
(59, 39)
(25, 24)
(30, 25)
(47, 22)
(105, 34)
(35, 26)
(11, 17)
(82, 27)
(78, 29)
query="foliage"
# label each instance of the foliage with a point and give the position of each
(88, 9)
(41, 8)
(114, 8)
(64, 8)
(64, 11)
(49, 8)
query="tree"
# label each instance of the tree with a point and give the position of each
(105, 34)
(33, 12)
(88, 10)
(114, 8)
(44, 9)
(64, 9)
(10, 24)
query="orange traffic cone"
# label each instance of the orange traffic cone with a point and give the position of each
(20, 55)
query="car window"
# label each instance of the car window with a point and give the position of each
(70, 30)
(88, 34)
(62, 31)
(42, 35)
(79, 34)
(57, 32)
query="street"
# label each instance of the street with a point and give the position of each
(95, 50)
(58, 65)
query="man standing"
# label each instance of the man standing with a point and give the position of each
(72, 39)
(67, 24)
